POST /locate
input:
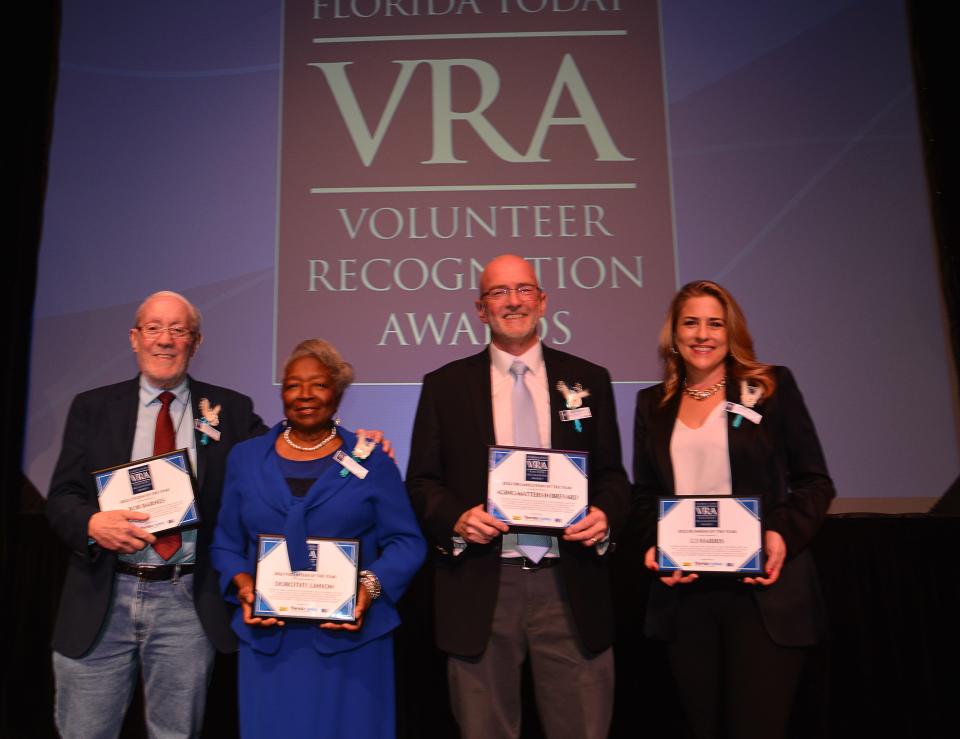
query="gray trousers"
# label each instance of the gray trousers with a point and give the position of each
(574, 688)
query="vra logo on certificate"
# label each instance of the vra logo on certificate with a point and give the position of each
(706, 514)
(140, 479)
(538, 468)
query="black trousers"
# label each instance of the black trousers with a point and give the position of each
(733, 680)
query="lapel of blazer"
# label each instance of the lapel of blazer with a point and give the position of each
(197, 390)
(737, 439)
(556, 371)
(270, 476)
(747, 447)
(124, 407)
(661, 432)
(478, 385)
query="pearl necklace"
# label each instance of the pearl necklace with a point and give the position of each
(705, 392)
(322, 442)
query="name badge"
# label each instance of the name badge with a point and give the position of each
(205, 428)
(742, 410)
(575, 414)
(350, 464)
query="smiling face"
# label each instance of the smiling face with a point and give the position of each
(700, 335)
(163, 359)
(512, 318)
(309, 396)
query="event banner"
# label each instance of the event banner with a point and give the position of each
(420, 138)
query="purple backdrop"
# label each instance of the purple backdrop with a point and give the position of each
(796, 176)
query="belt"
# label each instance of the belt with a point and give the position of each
(529, 564)
(158, 572)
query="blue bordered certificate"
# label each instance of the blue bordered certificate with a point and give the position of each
(537, 488)
(160, 486)
(703, 534)
(325, 592)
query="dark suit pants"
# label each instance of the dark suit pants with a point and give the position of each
(728, 670)
(574, 688)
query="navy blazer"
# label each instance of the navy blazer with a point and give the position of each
(99, 433)
(781, 461)
(447, 474)
(375, 510)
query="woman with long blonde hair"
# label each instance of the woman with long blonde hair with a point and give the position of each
(723, 423)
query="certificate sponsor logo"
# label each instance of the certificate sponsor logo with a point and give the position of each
(706, 514)
(538, 468)
(140, 479)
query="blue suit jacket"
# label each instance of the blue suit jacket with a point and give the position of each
(375, 510)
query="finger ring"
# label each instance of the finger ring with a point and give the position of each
(593, 540)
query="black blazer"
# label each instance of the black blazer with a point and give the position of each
(98, 434)
(447, 474)
(779, 460)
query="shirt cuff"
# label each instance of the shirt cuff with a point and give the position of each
(604, 544)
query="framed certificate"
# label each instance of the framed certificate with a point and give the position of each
(537, 489)
(703, 534)
(325, 592)
(161, 486)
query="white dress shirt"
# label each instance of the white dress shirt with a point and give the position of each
(501, 390)
(181, 413)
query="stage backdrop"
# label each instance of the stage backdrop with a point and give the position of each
(344, 168)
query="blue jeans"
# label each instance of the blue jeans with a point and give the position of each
(153, 626)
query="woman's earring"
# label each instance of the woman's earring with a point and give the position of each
(337, 421)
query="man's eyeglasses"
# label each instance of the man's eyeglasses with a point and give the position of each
(153, 331)
(524, 292)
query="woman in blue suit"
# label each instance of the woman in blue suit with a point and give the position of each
(736, 647)
(297, 679)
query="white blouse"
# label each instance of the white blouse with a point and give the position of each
(701, 457)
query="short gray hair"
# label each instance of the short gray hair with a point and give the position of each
(326, 353)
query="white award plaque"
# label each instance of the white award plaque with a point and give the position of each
(699, 533)
(325, 592)
(160, 486)
(532, 489)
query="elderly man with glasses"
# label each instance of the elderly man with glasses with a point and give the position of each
(134, 602)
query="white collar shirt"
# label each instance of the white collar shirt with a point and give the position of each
(501, 391)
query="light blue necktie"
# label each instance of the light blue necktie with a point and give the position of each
(526, 433)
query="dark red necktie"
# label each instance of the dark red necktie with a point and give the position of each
(164, 440)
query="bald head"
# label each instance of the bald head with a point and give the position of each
(169, 295)
(507, 265)
(511, 303)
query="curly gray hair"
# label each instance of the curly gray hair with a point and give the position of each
(341, 372)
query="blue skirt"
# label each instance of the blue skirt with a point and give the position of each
(299, 692)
